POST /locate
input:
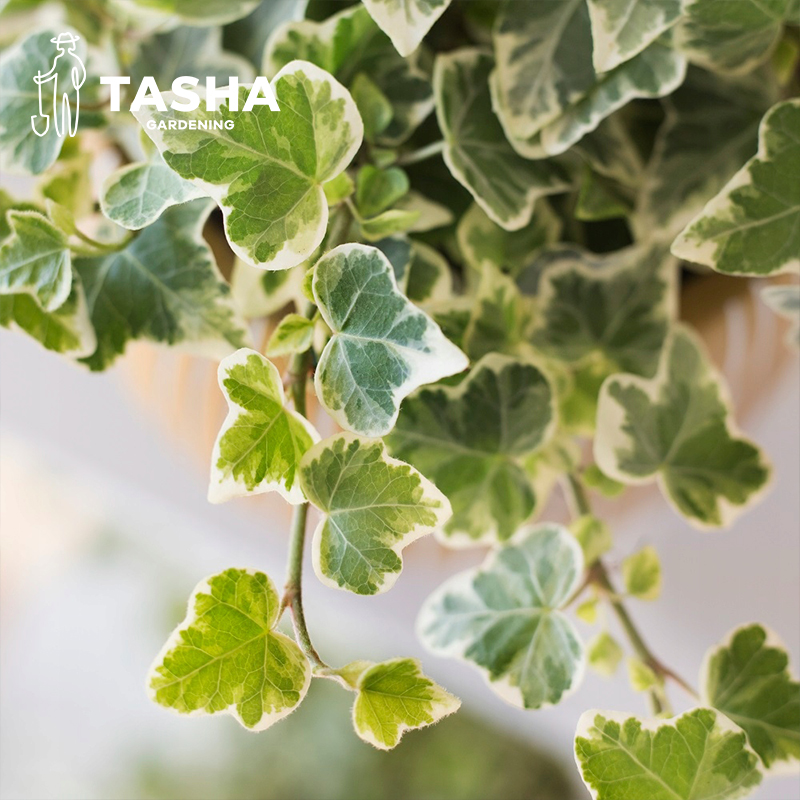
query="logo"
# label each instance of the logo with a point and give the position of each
(67, 74)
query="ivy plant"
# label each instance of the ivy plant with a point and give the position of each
(467, 226)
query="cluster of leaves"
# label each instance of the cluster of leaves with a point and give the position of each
(480, 237)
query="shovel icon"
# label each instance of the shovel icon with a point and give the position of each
(42, 115)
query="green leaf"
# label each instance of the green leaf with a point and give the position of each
(373, 507)
(503, 617)
(785, 302)
(68, 182)
(339, 189)
(20, 148)
(259, 293)
(677, 428)
(640, 676)
(594, 537)
(500, 316)
(395, 697)
(67, 330)
(623, 28)
(752, 227)
(642, 574)
(294, 334)
(227, 658)
(600, 198)
(429, 277)
(382, 347)
(430, 214)
(307, 143)
(698, 755)
(732, 37)
(406, 21)
(547, 92)
(505, 185)
(484, 243)
(201, 12)
(603, 654)
(617, 308)
(387, 224)
(261, 442)
(710, 130)
(35, 260)
(136, 195)
(164, 286)
(587, 611)
(373, 105)
(379, 189)
(747, 678)
(594, 478)
(472, 440)
(349, 45)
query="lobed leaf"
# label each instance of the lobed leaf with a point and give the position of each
(641, 573)
(503, 617)
(227, 658)
(261, 442)
(382, 347)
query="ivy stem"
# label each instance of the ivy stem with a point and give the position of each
(293, 590)
(598, 575)
(420, 155)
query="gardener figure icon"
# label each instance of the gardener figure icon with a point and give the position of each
(65, 42)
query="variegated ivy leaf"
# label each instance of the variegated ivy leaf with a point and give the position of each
(611, 151)
(350, 46)
(429, 277)
(308, 142)
(406, 21)
(735, 36)
(261, 442)
(503, 617)
(164, 286)
(483, 243)
(747, 678)
(785, 302)
(641, 573)
(500, 316)
(699, 755)
(379, 189)
(623, 28)
(136, 195)
(294, 334)
(752, 227)
(201, 12)
(677, 428)
(603, 654)
(618, 308)
(505, 185)
(382, 347)
(546, 90)
(67, 330)
(68, 182)
(594, 537)
(710, 130)
(35, 260)
(259, 293)
(20, 148)
(473, 441)
(373, 507)
(600, 198)
(227, 658)
(431, 215)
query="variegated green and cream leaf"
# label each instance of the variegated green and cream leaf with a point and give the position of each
(35, 260)
(309, 141)
(504, 617)
(261, 442)
(394, 697)
(351, 46)
(484, 243)
(621, 29)
(752, 227)
(617, 309)
(200, 12)
(699, 755)
(406, 21)
(429, 277)
(785, 302)
(505, 185)
(382, 347)
(373, 507)
(227, 658)
(747, 678)
(603, 654)
(641, 573)
(136, 195)
(164, 286)
(21, 149)
(474, 439)
(677, 428)
(294, 334)
(259, 293)
(735, 36)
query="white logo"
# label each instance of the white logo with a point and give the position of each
(65, 42)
